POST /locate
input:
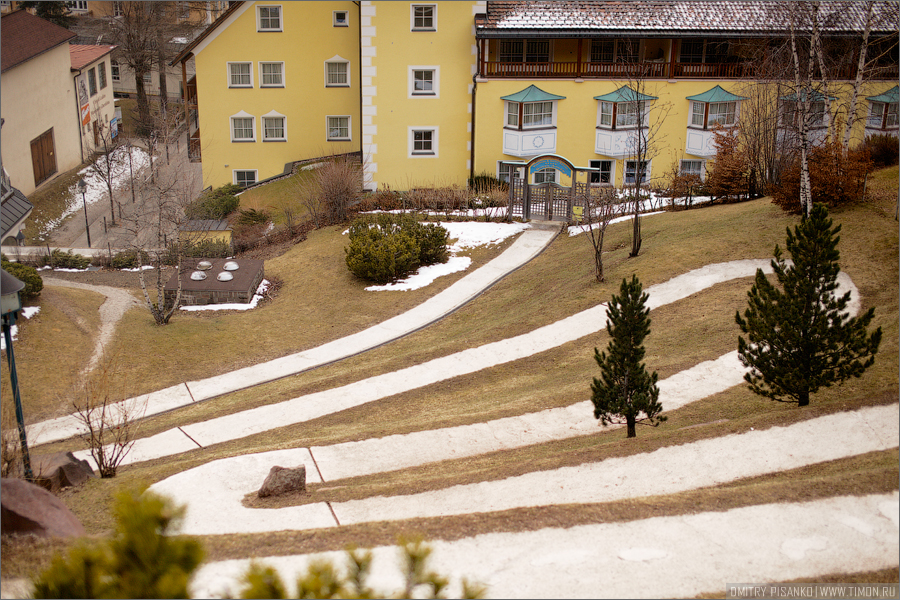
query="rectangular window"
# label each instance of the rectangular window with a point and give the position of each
(507, 172)
(244, 178)
(340, 18)
(517, 51)
(628, 51)
(817, 114)
(118, 10)
(423, 82)
(273, 129)
(272, 74)
(101, 68)
(722, 113)
(511, 50)
(698, 113)
(338, 129)
(606, 114)
(92, 81)
(692, 167)
(424, 17)
(545, 175)
(629, 114)
(512, 114)
(239, 75)
(75, 6)
(242, 129)
(692, 50)
(876, 115)
(538, 113)
(337, 74)
(422, 142)
(605, 174)
(602, 51)
(537, 51)
(114, 70)
(146, 77)
(891, 120)
(269, 18)
(630, 168)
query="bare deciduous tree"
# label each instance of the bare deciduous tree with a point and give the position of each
(599, 209)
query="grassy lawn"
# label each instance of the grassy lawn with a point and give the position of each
(321, 301)
(50, 201)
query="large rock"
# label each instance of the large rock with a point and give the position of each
(281, 481)
(57, 471)
(27, 508)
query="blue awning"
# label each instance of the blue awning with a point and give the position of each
(532, 94)
(888, 97)
(717, 94)
(624, 94)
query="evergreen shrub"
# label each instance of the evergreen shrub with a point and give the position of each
(27, 275)
(65, 260)
(883, 149)
(215, 204)
(385, 247)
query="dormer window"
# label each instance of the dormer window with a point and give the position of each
(531, 108)
(883, 110)
(623, 109)
(715, 107)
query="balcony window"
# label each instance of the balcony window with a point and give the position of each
(530, 51)
(700, 50)
(615, 51)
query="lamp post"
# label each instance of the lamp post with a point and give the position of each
(11, 304)
(82, 187)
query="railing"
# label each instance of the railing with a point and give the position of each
(194, 146)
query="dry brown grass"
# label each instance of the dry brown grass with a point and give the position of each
(558, 283)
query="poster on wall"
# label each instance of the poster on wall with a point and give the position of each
(83, 100)
(113, 127)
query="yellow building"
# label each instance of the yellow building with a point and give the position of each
(433, 93)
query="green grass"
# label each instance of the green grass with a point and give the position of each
(320, 301)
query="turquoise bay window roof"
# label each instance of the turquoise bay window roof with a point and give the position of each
(532, 94)
(625, 94)
(717, 94)
(888, 97)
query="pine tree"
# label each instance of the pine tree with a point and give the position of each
(800, 338)
(624, 389)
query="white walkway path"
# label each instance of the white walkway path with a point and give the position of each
(528, 245)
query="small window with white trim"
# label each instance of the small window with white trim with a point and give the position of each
(605, 175)
(341, 18)
(693, 168)
(424, 81)
(338, 128)
(506, 172)
(114, 71)
(243, 127)
(244, 178)
(271, 74)
(423, 17)
(547, 175)
(240, 75)
(269, 18)
(631, 171)
(274, 127)
(423, 141)
(337, 72)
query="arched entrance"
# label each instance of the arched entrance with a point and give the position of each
(533, 197)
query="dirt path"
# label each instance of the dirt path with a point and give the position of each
(118, 301)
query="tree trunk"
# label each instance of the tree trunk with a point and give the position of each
(630, 424)
(143, 105)
(804, 399)
(163, 84)
(857, 83)
(802, 105)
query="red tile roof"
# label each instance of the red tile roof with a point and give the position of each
(82, 56)
(24, 36)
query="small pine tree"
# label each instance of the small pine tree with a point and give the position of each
(624, 389)
(143, 560)
(799, 337)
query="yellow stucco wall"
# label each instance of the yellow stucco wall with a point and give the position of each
(38, 95)
(307, 41)
(393, 50)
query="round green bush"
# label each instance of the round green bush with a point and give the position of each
(27, 275)
(386, 247)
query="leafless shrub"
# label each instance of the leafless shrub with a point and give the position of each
(112, 427)
(598, 209)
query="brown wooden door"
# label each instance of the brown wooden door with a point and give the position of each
(43, 159)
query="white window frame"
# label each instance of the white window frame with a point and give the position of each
(701, 172)
(231, 74)
(711, 121)
(329, 128)
(435, 91)
(645, 176)
(412, 153)
(118, 11)
(148, 77)
(513, 108)
(346, 20)
(540, 176)
(504, 170)
(234, 176)
(698, 114)
(259, 18)
(76, 6)
(114, 71)
(597, 163)
(882, 121)
(412, 17)
(264, 128)
(337, 60)
(611, 116)
(242, 115)
(262, 74)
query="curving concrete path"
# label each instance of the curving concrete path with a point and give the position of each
(528, 245)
